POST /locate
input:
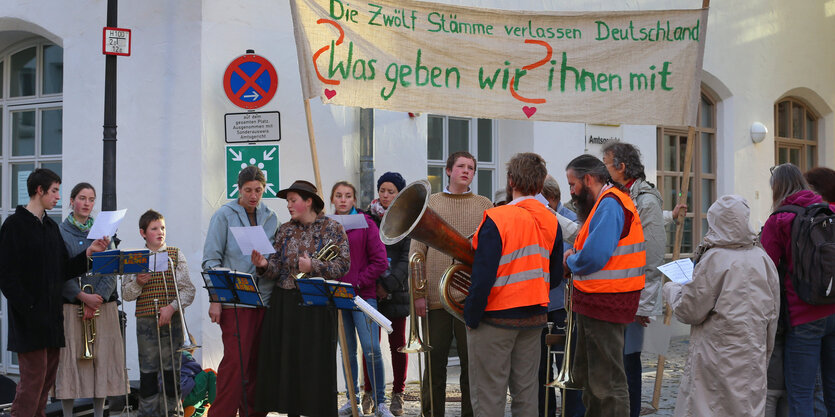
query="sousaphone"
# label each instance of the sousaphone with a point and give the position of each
(409, 215)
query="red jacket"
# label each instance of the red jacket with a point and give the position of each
(776, 235)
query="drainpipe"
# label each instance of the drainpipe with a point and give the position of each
(367, 181)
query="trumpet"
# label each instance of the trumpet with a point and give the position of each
(417, 289)
(88, 326)
(327, 253)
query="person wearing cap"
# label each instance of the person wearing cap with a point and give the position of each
(392, 294)
(297, 373)
(221, 250)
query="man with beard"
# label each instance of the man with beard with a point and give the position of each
(623, 161)
(607, 263)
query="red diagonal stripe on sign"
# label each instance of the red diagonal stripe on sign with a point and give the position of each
(250, 81)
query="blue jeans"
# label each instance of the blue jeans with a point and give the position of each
(809, 347)
(369, 335)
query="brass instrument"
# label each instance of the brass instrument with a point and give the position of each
(409, 215)
(548, 366)
(565, 379)
(88, 326)
(188, 344)
(161, 364)
(327, 253)
(417, 289)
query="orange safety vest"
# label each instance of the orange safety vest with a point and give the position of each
(528, 230)
(625, 270)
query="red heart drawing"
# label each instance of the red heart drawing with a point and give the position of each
(330, 93)
(529, 111)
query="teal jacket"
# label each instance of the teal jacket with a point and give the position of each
(221, 249)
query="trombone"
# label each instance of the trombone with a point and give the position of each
(565, 379)
(417, 289)
(186, 345)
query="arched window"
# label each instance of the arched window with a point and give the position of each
(671, 147)
(795, 134)
(31, 96)
(31, 103)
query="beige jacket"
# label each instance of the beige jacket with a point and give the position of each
(732, 306)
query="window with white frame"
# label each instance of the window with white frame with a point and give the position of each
(447, 135)
(31, 113)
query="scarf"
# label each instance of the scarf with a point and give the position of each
(83, 227)
(376, 209)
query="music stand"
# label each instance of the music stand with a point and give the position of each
(119, 263)
(236, 288)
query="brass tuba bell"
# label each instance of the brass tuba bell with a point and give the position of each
(409, 215)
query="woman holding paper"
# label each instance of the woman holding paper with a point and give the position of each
(392, 294)
(297, 370)
(238, 326)
(732, 305)
(368, 262)
(103, 375)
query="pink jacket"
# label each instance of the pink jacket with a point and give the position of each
(775, 237)
(368, 259)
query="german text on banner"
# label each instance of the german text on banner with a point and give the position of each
(636, 67)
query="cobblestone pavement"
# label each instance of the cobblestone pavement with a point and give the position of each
(673, 369)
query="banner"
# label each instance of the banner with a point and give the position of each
(636, 67)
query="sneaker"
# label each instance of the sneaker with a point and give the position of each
(367, 403)
(345, 410)
(397, 403)
(383, 411)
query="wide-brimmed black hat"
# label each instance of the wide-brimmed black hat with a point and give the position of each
(305, 189)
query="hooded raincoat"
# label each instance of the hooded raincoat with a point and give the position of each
(732, 306)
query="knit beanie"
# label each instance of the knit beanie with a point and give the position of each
(394, 178)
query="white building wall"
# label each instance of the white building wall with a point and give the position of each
(171, 106)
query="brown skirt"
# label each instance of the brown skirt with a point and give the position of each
(100, 377)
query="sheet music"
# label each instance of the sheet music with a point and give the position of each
(350, 221)
(158, 262)
(373, 314)
(251, 238)
(106, 224)
(680, 271)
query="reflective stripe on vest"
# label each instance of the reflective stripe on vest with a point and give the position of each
(624, 271)
(528, 230)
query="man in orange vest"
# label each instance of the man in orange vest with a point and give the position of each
(607, 263)
(517, 250)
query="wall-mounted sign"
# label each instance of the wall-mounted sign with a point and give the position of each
(598, 135)
(264, 157)
(250, 81)
(253, 127)
(116, 41)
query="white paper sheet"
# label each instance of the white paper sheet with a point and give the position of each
(158, 262)
(680, 271)
(106, 224)
(373, 314)
(251, 238)
(657, 337)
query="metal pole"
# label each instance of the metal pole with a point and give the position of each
(108, 200)
(367, 181)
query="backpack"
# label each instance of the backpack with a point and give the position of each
(813, 252)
